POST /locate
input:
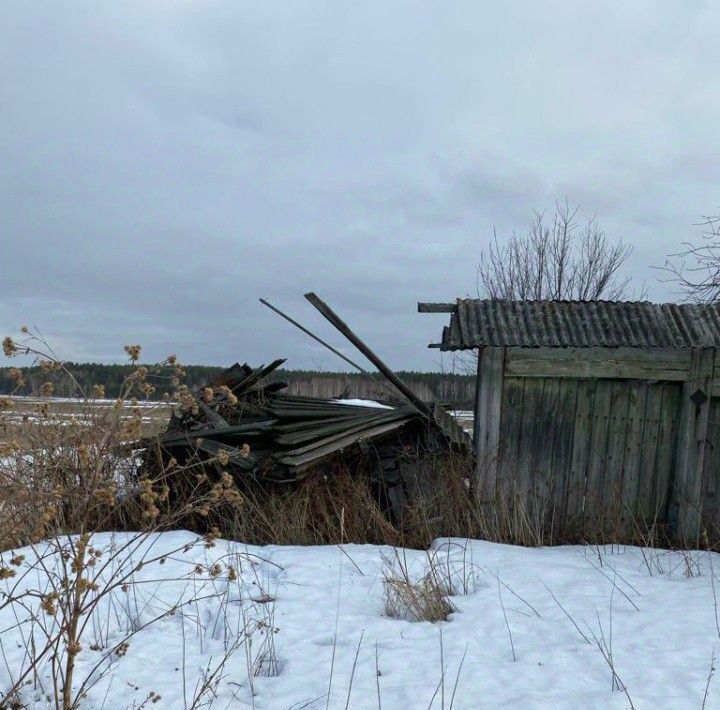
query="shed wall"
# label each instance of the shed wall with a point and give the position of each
(604, 441)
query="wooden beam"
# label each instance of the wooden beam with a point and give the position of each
(343, 327)
(436, 307)
(374, 378)
(488, 408)
(600, 363)
(692, 439)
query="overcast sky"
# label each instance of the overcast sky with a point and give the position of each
(164, 163)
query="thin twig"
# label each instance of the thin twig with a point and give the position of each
(507, 624)
(354, 667)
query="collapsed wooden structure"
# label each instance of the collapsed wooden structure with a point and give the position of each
(595, 410)
(262, 434)
(266, 434)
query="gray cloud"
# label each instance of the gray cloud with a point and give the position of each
(163, 164)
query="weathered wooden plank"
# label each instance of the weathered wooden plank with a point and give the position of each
(562, 450)
(343, 327)
(617, 363)
(510, 438)
(695, 411)
(617, 432)
(580, 455)
(436, 307)
(646, 507)
(548, 426)
(597, 465)
(488, 408)
(666, 450)
(530, 430)
(711, 473)
(306, 456)
(675, 357)
(634, 445)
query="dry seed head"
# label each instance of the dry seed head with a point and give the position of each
(208, 394)
(151, 512)
(48, 603)
(98, 391)
(8, 448)
(229, 395)
(16, 375)
(9, 347)
(47, 389)
(133, 352)
(86, 585)
(83, 454)
(232, 497)
(210, 537)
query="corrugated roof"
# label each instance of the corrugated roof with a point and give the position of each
(585, 324)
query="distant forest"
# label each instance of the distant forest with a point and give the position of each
(437, 386)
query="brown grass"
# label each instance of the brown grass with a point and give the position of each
(336, 505)
(61, 481)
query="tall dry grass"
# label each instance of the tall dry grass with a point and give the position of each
(340, 504)
(63, 481)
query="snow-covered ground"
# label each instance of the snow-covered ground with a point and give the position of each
(529, 630)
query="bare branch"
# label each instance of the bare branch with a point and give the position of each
(555, 259)
(696, 268)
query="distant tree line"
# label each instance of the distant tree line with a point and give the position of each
(455, 388)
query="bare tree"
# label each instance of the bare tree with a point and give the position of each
(557, 258)
(696, 269)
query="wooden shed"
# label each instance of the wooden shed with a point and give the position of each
(595, 410)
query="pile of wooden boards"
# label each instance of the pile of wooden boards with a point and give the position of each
(266, 433)
(258, 431)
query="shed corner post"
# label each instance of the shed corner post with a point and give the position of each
(692, 436)
(486, 427)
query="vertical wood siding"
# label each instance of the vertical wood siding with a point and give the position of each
(589, 451)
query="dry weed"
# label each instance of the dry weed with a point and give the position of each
(61, 482)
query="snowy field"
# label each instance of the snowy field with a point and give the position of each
(532, 628)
